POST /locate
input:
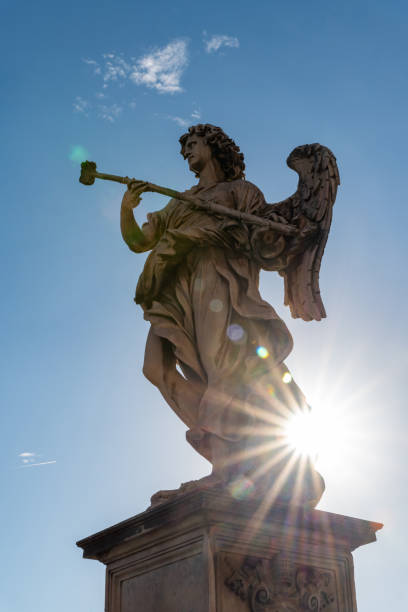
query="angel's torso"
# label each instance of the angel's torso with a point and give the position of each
(239, 195)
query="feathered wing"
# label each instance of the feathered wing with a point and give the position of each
(310, 208)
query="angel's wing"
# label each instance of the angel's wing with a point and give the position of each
(311, 209)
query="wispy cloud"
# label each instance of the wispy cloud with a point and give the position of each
(109, 113)
(81, 106)
(36, 464)
(161, 69)
(185, 122)
(91, 62)
(179, 120)
(217, 41)
(104, 111)
(27, 458)
(31, 460)
(115, 67)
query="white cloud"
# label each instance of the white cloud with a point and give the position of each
(217, 41)
(162, 69)
(81, 106)
(109, 113)
(184, 122)
(27, 455)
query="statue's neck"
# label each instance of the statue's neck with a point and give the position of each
(210, 174)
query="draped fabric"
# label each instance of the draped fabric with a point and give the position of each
(199, 291)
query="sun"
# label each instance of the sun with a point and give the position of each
(322, 435)
(303, 433)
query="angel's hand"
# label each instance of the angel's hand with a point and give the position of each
(132, 196)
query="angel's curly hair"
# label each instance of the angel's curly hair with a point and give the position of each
(223, 148)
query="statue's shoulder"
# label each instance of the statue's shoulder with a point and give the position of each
(239, 185)
(243, 189)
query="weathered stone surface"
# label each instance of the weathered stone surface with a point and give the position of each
(206, 552)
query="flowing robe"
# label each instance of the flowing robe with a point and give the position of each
(199, 291)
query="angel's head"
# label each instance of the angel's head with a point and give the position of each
(205, 141)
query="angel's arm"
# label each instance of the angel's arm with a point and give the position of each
(138, 239)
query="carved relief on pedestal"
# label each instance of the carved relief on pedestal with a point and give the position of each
(280, 585)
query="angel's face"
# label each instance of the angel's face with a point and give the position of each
(198, 153)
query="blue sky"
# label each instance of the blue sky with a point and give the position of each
(117, 82)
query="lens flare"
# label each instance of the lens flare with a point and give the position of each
(271, 390)
(78, 154)
(216, 305)
(262, 352)
(287, 378)
(235, 332)
(241, 488)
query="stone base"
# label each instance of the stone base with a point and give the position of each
(206, 552)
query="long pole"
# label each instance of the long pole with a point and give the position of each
(89, 173)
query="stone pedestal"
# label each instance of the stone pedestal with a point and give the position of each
(206, 552)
